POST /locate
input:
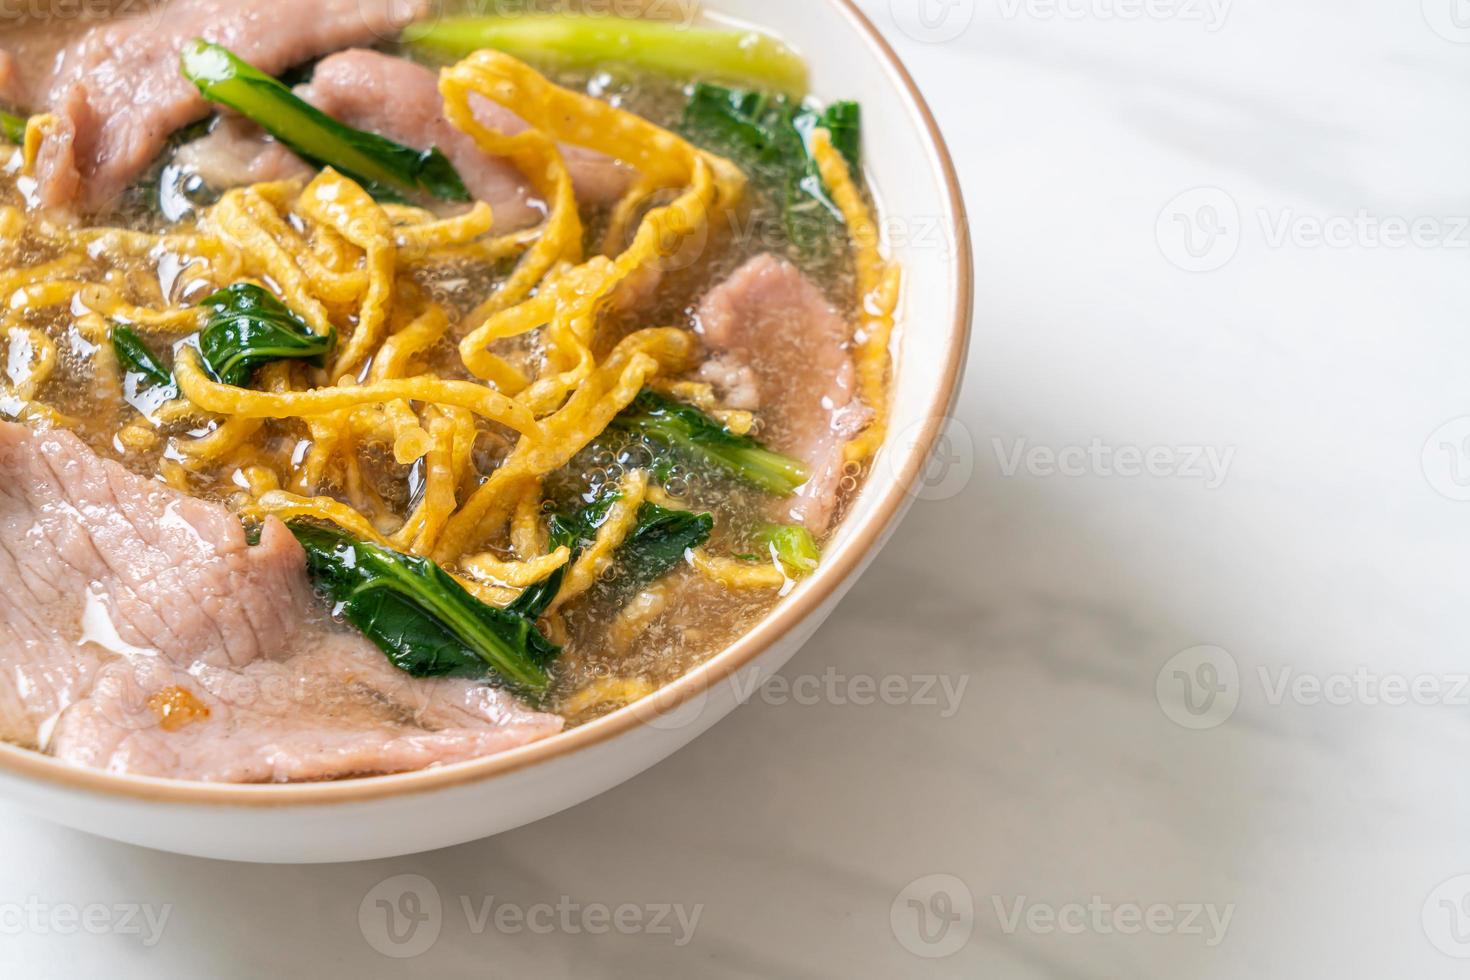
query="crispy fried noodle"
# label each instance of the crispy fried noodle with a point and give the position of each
(343, 261)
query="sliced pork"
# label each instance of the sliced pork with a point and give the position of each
(236, 152)
(782, 350)
(400, 100)
(119, 95)
(10, 92)
(140, 633)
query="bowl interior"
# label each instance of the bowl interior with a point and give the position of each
(922, 219)
(921, 222)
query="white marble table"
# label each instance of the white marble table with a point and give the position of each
(1293, 538)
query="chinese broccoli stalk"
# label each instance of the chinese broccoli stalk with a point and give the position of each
(386, 169)
(12, 128)
(684, 428)
(740, 56)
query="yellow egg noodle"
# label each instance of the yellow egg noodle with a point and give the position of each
(622, 518)
(607, 691)
(530, 389)
(640, 613)
(879, 284)
(878, 294)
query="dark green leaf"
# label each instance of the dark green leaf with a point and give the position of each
(769, 136)
(249, 327)
(844, 120)
(659, 543)
(418, 615)
(12, 128)
(136, 357)
(384, 168)
(686, 429)
(650, 551)
(574, 532)
(147, 384)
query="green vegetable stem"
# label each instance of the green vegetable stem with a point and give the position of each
(386, 169)
(793, 546)
(684, 428)
(12, 128)
(579, 40)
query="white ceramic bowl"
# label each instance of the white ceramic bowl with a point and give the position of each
(371, 818)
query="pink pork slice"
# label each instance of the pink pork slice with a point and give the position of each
(782, 350)
(236, 152)
(400, 99)
(123, 594)
(119, 95)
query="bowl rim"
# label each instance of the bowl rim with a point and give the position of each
(811, 595)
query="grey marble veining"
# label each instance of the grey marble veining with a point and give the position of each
(1077, 769)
